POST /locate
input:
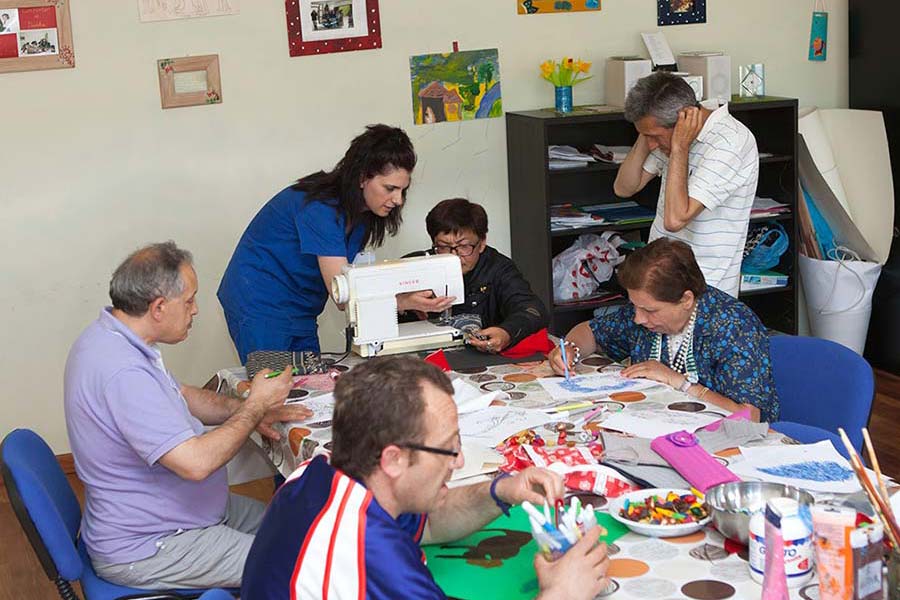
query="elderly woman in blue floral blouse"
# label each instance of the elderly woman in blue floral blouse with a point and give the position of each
(681, 332)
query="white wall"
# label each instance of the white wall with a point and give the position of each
(92, 168)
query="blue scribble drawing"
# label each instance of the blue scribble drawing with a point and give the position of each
(811, 471)
(581, 385)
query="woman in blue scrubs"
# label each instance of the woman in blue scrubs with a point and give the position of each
(279, 277)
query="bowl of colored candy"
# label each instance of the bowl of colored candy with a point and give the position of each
(660, 512)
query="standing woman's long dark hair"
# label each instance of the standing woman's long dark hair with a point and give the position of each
(374, 152)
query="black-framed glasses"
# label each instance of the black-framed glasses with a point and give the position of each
(432, 449)
(462, 250)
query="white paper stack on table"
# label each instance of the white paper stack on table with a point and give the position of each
(567, 157)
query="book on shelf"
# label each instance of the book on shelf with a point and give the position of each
(767, 207)
(597, 298)
(557, 164)
(763, 280)
(568, 153)
(610, 154)
(566, 216)
(621, 213)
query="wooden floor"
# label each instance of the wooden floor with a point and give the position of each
(21, 575)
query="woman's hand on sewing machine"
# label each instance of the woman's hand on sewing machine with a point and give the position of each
(424, 301)
(490, 339)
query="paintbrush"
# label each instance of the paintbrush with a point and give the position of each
(890, 526)
(870, 449)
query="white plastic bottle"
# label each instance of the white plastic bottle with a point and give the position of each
(798, 547)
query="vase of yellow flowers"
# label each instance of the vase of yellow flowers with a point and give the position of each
(563, 75)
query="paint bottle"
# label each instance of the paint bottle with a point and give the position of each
(796, 536)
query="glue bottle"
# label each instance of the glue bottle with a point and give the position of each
(796, 537)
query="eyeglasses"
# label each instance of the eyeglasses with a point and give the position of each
(432, 449)
(461, 250)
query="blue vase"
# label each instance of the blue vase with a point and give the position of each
(564, 98)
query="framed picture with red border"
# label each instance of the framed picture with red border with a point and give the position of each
(35, 35)
(324, 26)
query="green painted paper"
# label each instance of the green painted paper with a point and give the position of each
(497, 562)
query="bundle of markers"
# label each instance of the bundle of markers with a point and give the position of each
(555, 536)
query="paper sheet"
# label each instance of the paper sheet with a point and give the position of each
(593, 385)
(469, 398)
(658, 47)
(815, 467)
(496, 423)
(480, 460)
(322, 407)
(652, 424)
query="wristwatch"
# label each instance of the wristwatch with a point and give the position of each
(685, 385)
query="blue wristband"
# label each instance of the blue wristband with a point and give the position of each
(504, 507)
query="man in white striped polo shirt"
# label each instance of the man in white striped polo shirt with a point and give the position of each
(709, 166)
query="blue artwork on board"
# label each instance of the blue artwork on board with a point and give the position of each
(811, 471)
(680, 12)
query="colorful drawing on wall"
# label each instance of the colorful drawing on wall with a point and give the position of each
(456, 86)
(541, 7)
(680, 12)
(162, 10)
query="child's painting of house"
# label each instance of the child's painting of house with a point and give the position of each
(456, 86)
(542, 7)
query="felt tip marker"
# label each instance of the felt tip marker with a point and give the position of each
(294, 371)
(562, 349)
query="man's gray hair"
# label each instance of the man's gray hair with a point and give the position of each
(660, 95)
(152, 272)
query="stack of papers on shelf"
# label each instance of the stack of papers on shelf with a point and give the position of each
(565, 216)
(621, 213)
(611, 154)
(766, 207)
(567, 157)
(762, 281)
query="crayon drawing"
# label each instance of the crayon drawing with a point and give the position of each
(456, 86)
(546, 7)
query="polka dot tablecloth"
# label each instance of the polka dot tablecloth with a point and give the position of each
(703, 566)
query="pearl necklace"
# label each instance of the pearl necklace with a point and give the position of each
(684, 359)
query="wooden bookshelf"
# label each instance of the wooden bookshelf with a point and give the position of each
(534, 188)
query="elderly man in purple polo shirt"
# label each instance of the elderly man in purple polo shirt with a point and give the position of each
(157, 511)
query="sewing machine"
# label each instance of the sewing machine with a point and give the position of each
(369, 292)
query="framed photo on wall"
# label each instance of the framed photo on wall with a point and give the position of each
(189, 81)
(680, 12)
(35, 35)
(324, 26)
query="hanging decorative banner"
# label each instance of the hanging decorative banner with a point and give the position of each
(818, 33)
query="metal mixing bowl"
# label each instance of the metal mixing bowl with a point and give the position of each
(732, 504)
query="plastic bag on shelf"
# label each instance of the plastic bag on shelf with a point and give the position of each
(580, 269)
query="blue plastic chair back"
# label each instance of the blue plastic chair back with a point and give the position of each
(50, 515)
(35, 483)
(823, 384)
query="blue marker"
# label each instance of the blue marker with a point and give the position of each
(562, 349)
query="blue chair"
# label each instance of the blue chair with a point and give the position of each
(821, 385)
(50, 515)
(216, 595)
